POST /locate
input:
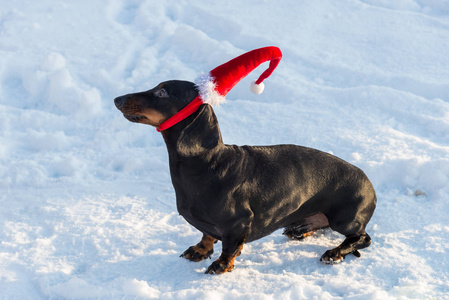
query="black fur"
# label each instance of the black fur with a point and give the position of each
(240, 194)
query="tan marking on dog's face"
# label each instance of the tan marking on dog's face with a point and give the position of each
(152, 117)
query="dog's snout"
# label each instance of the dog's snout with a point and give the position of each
(119, 101)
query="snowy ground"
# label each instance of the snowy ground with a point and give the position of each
(87, 207)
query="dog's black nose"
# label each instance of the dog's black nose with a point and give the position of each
(119, 101)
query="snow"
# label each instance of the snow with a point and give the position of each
(87, 207)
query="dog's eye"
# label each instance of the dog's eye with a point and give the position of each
(161, 93)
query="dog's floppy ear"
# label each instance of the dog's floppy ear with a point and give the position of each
(201, 135)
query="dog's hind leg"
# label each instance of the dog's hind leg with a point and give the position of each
(350, 220)
(202, 250)
(306, 227)
(350, 245)
(298, 233)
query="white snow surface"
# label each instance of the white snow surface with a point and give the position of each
(87, 206)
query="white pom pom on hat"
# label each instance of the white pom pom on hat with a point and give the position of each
(214, 86)
(257, 88)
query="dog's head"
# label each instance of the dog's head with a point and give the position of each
(158, 104)
(155, 106)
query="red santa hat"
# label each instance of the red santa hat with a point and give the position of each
(214, 86)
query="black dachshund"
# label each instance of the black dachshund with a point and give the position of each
(241, 194)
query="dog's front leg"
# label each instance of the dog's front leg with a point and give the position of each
(202, 250)
(232, 248)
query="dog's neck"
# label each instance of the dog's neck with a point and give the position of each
(194, 136)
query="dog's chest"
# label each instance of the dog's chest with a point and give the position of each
(200, 221)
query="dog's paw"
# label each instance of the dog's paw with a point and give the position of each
(334, 256)
(220, 266)
(197, 253)
(331, 257)
(293, 234)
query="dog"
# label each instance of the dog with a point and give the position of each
(238, 194)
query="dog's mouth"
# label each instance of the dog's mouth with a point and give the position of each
(135, 118)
